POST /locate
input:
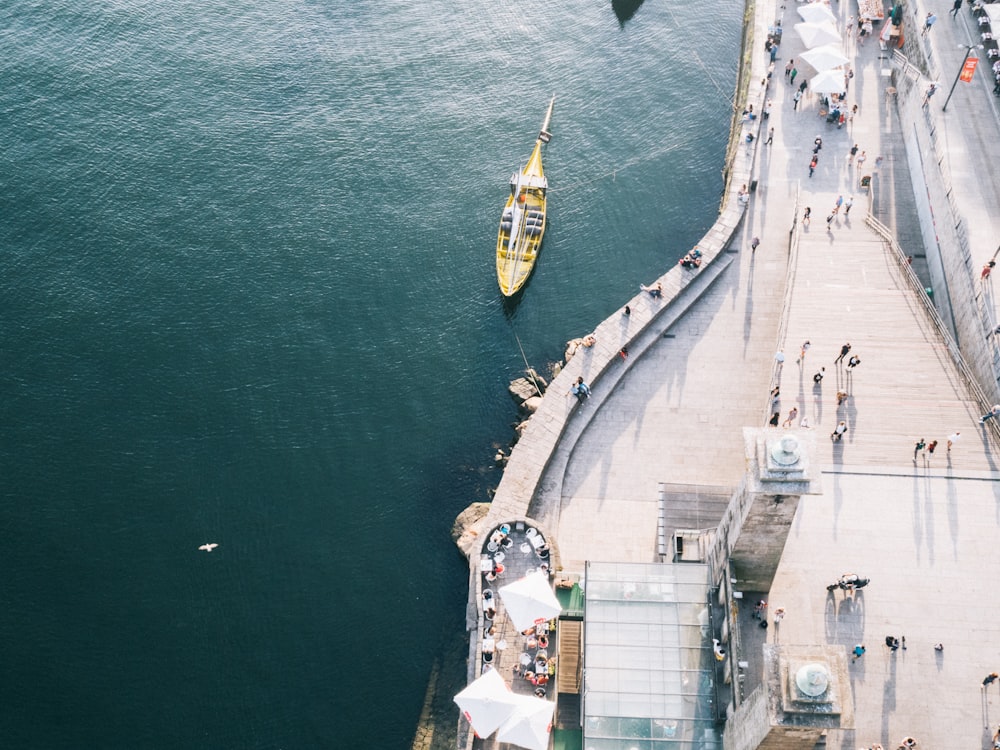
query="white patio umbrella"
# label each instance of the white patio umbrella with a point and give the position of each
(828, 82)
(816, 13)
(824, 58)
(816, 34)
(530, 600)
(487, 703)
(530, 724)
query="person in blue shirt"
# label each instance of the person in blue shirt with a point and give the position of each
(580, 389)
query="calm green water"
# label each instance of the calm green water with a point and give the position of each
(248, 298)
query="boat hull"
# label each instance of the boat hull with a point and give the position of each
(523, 221)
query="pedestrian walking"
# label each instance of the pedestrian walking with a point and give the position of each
(759, 609)
(989, 679)
(623, 352)
(847, 205)
(803, 86)
(770, 137)
(829, 223)
(991, 414)
(878, 162)
(857, 652)
(956, 6)
(861, 159)
(921, 445)
(838, 431)
(902, 642)
(931, 90)
(841, 397)
(818, 377)
(754, 243)
(774, 52)
(806, 216)
(791, 77)
(812, 165)
(931, 446)
(853, 153)
(779, 357)
(853, 362)
(987, 270)
(767, 109)
(952, 439)
(840, 201)
(775, 397)
(796, 99)
(775, 418)
(788, 68)
(843, 352)
(929, 21)
(627, 311)
(791, 417)
(802, 351)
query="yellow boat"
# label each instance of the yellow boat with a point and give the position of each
(522, 224)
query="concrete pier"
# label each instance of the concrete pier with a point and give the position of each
(702, 366)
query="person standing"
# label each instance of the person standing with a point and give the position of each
(806, 216)
(802, 351)
(791, 77)
(829, 223)
(853, 362)
(847, 205)
(796, 99)
(754, 243)
(953, 438)
(861, 159)
(839, 431)
(989, 679)
(818, 377)
(931, 446)
(789, 68)
(812, 164)
(840, 202)
(917, 448)
(770, 137)
(955, 7)
(843, 352)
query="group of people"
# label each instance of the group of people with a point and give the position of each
(691, 259)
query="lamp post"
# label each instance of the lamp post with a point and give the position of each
(968, 49)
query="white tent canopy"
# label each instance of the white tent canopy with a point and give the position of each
(816, 34)
(487, 703)
(828, 82)
(530, 724)
(816, 13)
(824, 58)
(530, 600)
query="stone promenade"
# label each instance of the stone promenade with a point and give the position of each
(925, 530)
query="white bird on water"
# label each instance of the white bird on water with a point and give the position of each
(208, 547)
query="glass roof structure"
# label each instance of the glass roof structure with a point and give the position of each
(649, 667)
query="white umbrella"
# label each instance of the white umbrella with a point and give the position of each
(815, 34)
(487, 703)
(530, 724)
(816, 13)
(530, 600)
(828, 82)
(824, 58)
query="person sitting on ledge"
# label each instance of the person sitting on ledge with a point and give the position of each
(589, 340)
(655, 291)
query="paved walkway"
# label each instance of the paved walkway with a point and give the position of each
(924, 530)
